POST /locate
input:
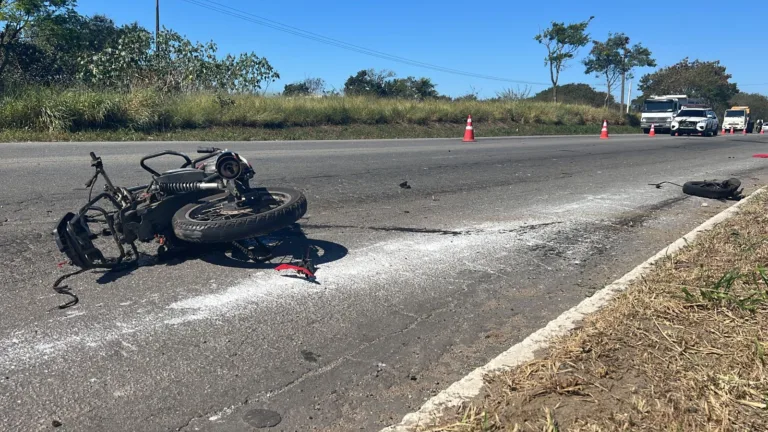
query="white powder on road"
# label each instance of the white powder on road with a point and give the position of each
(400, 266)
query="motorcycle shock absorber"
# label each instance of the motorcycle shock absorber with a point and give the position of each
(186, 187)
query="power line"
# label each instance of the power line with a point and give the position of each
(246, 16)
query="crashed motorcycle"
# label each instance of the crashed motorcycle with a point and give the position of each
(208, 200)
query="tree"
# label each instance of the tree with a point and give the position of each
(178, 65)
(296, 89)
(577, 94)
(384, 84)
(126, 65)
(698, 79)
(49, 49)
(562, 43)
(410, 88)
(423, 88)
(368, 82)
(614, 59)
(604, 59)
(16, 15)
(309, 86)
(636, 56)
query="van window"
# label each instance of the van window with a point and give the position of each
(691, 113)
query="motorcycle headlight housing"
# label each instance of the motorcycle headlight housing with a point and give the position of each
(229, 166)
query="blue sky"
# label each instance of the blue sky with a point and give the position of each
(490, 38)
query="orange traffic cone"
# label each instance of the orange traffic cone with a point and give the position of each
(744, 131)
(469, 133)
(652, 133)
(762, 131)
(731, 130)
(604, 132)
(723, 129)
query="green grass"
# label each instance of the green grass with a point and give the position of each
(53, 115)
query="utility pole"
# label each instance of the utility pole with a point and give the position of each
(157, 23)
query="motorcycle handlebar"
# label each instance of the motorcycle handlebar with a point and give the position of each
(207, 150)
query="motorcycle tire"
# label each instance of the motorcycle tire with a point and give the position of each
(711, 189)
(186, 228)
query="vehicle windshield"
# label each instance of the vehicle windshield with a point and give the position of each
(658, 106)
(734, 113)
(691, 113)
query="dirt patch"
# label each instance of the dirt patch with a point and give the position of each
(683, 349)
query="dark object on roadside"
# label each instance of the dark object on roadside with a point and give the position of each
(208, 200)
(405, 185)
(658, 185)
(728, 189)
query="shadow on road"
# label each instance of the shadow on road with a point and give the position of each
(288, 245)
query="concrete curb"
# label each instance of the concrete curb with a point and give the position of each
(471, 385)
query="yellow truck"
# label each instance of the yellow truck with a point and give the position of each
(738, 118)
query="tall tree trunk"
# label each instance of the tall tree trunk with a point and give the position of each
(607, 91)
(554, 77)
(623, 79)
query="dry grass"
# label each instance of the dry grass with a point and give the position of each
(74, 110)
(684, 349)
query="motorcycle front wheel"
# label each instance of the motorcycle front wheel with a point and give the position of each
(211, 220)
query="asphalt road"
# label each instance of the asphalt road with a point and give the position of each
(416, 286)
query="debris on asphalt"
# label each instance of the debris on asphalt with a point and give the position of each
(658, 185)
(713, 189)
(305, 267)
(405, 185)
